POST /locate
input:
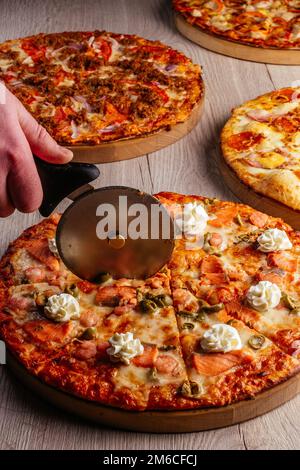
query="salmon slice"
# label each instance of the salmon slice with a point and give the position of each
(40, 251)
(216, 278)
(223, 216)
(112, 295)
(212, 364)
(243, 313)
(284, 261)
(270, 276)
(166, 364)
(43, 331)
(211, 264)
(148, 358)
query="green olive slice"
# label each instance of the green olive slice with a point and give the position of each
(256, 341)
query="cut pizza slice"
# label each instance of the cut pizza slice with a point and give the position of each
(33, 258)
(227, 361)
(124, 329)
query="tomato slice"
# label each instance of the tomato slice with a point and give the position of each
(33, 50)
(244, 140)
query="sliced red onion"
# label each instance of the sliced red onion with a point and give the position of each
(75, 131)
(170, 67)
(91, 40)
(82, 100)
(110, 128)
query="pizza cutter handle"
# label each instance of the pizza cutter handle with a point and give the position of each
(60, 181)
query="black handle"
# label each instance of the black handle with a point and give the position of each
(58, 181)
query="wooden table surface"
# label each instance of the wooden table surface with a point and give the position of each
(26, 422)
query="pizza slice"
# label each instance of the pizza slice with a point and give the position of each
(33, 257)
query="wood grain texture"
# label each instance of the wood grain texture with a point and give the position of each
(187, 166)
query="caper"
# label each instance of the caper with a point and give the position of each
(162, 300)
(231, 322)
(188, 326)
(196, 389)
(139, 295)
(185, 314)
(101, 278)
(40, 300)
(239, 220)
(200, 317)
(185, 389)
(148, 306)
(202, 303)
(152, 374)
(72, 290)
(291, 303)
(256, 341)
(190, 389)
(167, 347)
(89, 333)
(212, 308)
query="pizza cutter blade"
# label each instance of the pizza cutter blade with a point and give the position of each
(115, 230)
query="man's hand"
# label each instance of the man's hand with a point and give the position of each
(20, 137)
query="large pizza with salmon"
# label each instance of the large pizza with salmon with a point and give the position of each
(220, 323)
(261, 143)
(97, 87)
(273, 24)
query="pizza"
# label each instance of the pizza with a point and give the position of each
(218, 324)
(259, 23)
(96, 87)
(260, 142)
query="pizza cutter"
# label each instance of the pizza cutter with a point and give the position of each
(115, 230)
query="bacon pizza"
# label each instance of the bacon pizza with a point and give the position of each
(218, 324)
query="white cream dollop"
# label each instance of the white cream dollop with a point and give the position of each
(221, 338)
(62, 308)
(274, 239)
(193, 219)
(124, 347)
(264, 295)
(52, 246)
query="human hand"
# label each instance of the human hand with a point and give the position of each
(20, 137)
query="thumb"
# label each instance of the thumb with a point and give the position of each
(41, 143)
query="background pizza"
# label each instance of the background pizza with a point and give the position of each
(220, 323)
(262, 23)
(94, 87)
(261, 142)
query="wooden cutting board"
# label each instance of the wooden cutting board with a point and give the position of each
(234, 49)
(160, 421)
(247, 195)
(132, 148)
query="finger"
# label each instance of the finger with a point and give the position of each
(24, 186)
(6, 206)
(41, 143)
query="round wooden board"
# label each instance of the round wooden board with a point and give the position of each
(132, 148)
(253, 199)
(235, 49)
(160, 421)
